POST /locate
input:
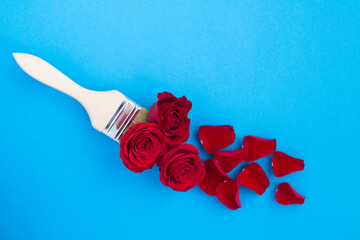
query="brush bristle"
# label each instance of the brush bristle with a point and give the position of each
(142, 116)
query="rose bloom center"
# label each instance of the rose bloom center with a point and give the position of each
(144, 145)
(174, 119)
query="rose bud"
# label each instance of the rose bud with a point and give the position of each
(181, 168)
(171, 114)
(142, 146)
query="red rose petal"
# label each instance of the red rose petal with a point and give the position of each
(228, 160)
(213, 176)
(215, 138)
(180, 150)
(258, 147)
(286, 195)
(284, 164)
(228, 193)
(183, 102)
(166, 96)
(254, 178)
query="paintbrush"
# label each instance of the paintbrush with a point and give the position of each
(110, 112)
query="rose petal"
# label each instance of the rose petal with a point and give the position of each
(183, 102)
(179, 150)
(228, 160)
(213, 176)
(286, 195)
(166, 95)
(228, 193)
(258, 147)
(254, 178)
(284, 164)
(215, 138)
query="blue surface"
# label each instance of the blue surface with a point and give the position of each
(276, 69)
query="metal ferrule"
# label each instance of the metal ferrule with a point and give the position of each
(122, 118)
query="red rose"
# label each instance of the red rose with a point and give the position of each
(170, 113)
(181, 168)
(142, 146)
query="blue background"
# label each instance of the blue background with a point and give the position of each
(275, 69)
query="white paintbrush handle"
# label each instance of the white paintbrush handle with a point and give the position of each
(52, 77)
(101, 106)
